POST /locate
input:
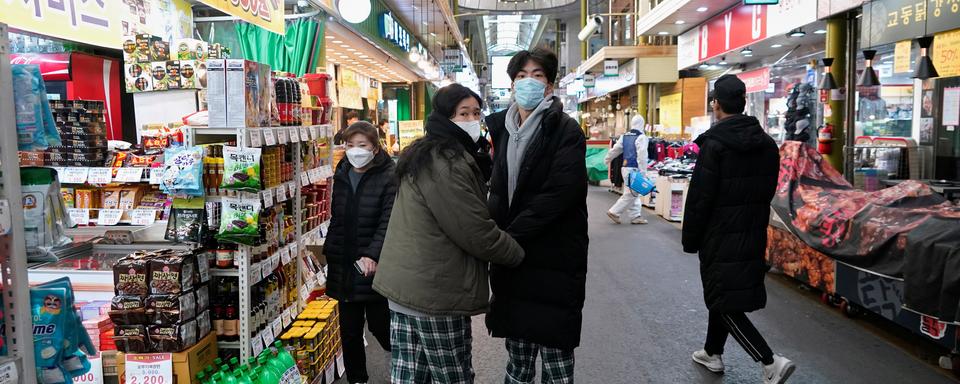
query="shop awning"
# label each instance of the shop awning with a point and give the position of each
(657, 64)
(346, 48)
(673, 17)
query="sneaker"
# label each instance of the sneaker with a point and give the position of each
(639, 220)
(615, 218)
(779, 371)
(713, 363)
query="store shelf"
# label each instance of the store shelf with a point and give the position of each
(228, 344)
(219, 272)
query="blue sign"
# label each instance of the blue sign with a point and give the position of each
(391, 30)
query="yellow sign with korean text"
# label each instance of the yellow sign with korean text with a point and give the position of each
(409, 130)
(267, 14)
(901, 56)
(946, 53)
(671, 112)
(88, 22)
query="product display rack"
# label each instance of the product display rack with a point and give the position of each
(13, 263)
(249, 274)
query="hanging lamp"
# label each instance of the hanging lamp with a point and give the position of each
(827, 82)
(869, 76)
(354, 11)
(925, 68)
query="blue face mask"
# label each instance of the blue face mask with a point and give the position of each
(529, 92)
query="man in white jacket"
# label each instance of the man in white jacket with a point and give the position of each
(633, 146)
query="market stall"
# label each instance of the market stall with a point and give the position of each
(179, 201)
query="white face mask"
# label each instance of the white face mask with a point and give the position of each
(472, 128)
(359, 157)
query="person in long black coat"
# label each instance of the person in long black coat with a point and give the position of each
(364, 189)
(725, 221)
(538, 305)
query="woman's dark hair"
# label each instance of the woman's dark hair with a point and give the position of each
(366, 129)
(383, 121)
(447, 98)
(545, 57)
(417, 156)
(352, 115)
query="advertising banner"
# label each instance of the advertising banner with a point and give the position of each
(409, 130)
(756, 80)
(89, 22)
(671, 112)
(267, 14)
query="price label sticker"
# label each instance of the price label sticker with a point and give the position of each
(256, 273)
(256, 138)
(315, 132)
(282, 137)
(286, 317)
(305, 294)
(304, 133)
(329, 373)
(74, 175)
(294, 250)
(149, 368)
(293, 188)
(109, 216)
(340, 368)
(304, 179)
(100, 175)
(315, 176)
(269, 137)
(256, 345)
(285, 255)
(267, 195)
(156, 175)
(294, 134)
(93, 376)
(281, 192)
(129, 175)
(143, 216)
(277, 326)
(79, 216)
(329, 170)
(275, 261)
(267, 336)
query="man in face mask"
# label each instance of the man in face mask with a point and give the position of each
(538, 193)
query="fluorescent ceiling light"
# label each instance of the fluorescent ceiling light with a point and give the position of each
(702, 9)
(778, 45)
(820, 31)
(663, 33)
(337, 42)
(679, 22)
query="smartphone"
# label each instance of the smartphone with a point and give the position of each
(360, 268)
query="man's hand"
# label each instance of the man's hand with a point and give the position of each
(369, 266)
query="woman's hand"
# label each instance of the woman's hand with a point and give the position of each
(369, 265)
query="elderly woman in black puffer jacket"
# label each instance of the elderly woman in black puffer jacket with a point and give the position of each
(363, 192)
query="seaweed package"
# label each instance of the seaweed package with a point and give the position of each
(186, 223)
(239, 221)
(48, 308)
(241, 169)
(182, 171)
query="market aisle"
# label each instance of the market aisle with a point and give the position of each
(644, 315)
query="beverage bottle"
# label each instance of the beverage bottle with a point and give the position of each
(217, 378)
(201, 377)
(234, 363)
(226, 377)
(283, 355)
(268, 373)
(230, 323)
(241, 376)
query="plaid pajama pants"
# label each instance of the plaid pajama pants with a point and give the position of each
(522, 367)
(431, 349)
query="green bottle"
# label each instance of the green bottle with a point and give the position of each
(241, 376)
(268, 375)
(234, 363)
(227, 378)
(284, 355)
(201, 377)
(217, 378)
(252, 366)
(274, 363)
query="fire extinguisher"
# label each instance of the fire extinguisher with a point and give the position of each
(825, 140)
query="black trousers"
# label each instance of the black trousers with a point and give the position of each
(738, 325)
(352, 315)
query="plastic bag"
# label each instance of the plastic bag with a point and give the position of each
(182, 172)
(241, 169)
(36, 129)
(239, 221)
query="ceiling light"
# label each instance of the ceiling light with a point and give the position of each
(663, 33)
(820, 31)
(746, 51)
(702, 9)
(797, 33)
(414, 56)
(329, 36)
(778, 45)
(337, 42)
(704, 66)
(354, 11)
(344, 46)
(679, 22)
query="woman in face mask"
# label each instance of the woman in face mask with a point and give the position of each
(363, 191)
(433, 269)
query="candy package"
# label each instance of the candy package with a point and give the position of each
(183, 168)
(241, 169)
(239, 221)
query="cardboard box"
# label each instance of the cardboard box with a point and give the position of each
(173, 74)
(189, 74)
(143, 41)
(266, 85)
(215, 51)
(186, 364)
(137, 77)
(159, 49)
(129, 45)
(243, 93)
(189, 49)
(158, 73)
(217, 93)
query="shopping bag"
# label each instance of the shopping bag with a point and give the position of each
(639, 183)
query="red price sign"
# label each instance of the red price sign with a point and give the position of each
(149, 368)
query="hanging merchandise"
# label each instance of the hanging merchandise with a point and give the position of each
(45, 216)
(186, 223)
(183, 168)
(60, 342)
(242, 169)
(239, 221)
(36, 129)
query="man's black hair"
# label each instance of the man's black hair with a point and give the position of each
(730, 93)
(353, 115)
(545, 57)
(383, 121)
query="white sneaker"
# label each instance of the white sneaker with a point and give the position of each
(779, 371)
(713, 363)
(639, 220)
(615, 218)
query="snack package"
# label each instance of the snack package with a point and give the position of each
(45, 215)
(239, 221)
(130, 338)
(185, 225)
(183, 170)
(172, 338)
(128, 310)
(130, 275)
(172, 274)
(36, 128)
(241, 169)
(171, 309)
(76, 343)
(158, 70)
(49, 312)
